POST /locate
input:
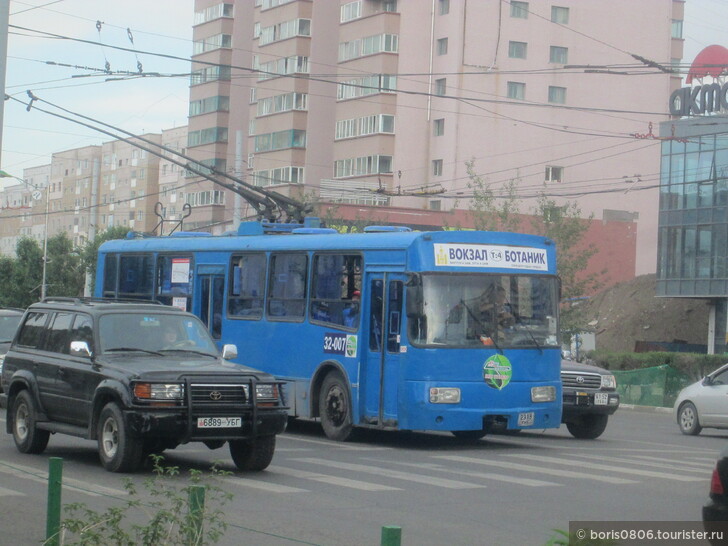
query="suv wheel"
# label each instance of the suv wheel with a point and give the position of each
(119, 452)
(28, 438)
(253, 454)
(588, 427)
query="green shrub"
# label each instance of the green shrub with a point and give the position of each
(166, 518)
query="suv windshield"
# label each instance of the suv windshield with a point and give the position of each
(154, 332)
(487, 310)
(8, 325)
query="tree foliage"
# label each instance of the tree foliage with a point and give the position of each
(560, 222)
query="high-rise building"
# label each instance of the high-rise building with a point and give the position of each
(401, 103)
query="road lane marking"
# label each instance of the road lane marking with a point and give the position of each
(10, 492)
(332, 444)
(485, 475)
(82, 486)
(529, 468)
(331, 480)
(609, 468)
(263, 485)
(397, 475)
(659, 462)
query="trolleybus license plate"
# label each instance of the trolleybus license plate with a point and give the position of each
(526, 419)
(219, 422)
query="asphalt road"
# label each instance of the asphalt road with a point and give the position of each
(439, 490)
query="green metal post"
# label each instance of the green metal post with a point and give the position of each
(197, 509)
(391, 535)
(53, 515)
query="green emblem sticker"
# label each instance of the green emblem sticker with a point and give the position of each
(497, 371)
(350, 346)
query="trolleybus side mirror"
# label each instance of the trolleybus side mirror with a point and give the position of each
(413, 302)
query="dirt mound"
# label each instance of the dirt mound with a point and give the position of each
(630, 312)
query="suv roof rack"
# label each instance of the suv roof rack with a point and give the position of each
(79, 300)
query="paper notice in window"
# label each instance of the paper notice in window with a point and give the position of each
(180, 270)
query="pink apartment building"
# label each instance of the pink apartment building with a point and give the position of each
(384, 102)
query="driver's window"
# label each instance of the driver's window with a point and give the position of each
(721, 378)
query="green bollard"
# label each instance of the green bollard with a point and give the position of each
(391, 535)
(53, 515)
(197, 512)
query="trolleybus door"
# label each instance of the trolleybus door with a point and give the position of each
(211, 291)
(382, 347)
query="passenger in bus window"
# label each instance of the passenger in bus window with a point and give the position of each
(321, 311)
(351, 312)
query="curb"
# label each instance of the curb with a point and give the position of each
(646, 409)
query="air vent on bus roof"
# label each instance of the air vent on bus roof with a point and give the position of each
(383, 229)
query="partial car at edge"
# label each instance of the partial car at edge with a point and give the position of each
(704, 404)
(9, 321)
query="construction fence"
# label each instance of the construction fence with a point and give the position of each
(656, 386)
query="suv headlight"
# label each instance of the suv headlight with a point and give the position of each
(609, 382)
(159, 391)
(546, 393)
(266, 391)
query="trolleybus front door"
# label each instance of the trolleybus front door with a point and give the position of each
(212, 288)
(383, 345)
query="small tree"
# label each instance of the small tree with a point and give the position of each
(64, 273)
(24, 287)
(90, 250)
(561, 223)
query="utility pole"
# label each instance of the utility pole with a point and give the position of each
(4, 17)
(45, 244)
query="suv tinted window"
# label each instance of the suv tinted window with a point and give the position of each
(83, 330)
(57, 339)
(32, 330)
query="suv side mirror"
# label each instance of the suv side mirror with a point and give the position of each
(229, 351)
(80, 348)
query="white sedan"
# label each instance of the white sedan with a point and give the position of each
(703, 404)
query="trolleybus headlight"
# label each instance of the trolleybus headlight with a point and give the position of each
(444, 395)
(543, 394)
(159, 391)
(609, 382)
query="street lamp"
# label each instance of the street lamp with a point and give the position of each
(36, 195)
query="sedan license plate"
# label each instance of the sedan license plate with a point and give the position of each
(219, 422)
(526, 419)
(601, 399)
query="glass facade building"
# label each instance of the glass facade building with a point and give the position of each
(693, 217)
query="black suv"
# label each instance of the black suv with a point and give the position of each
(590, 397)
(138, 378)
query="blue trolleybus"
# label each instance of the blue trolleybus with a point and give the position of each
(393, 329)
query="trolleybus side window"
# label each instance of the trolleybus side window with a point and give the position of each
(394, 321)
(136, 276)
(287, 286)
(110, 263)
(174, 281)
(247, 286)
(336, 289)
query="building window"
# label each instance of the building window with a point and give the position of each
(350, 11)
(284, 30)
(211, 43)
(517, 50)
(253, 95)
(559, 55)
(358, 166)
(438, 127)
(677, 28)
(554, 174)
(444, 6)
(280, 140)
(379, 43)
(441, 86)
(519, 10)
(560, 15)
(557, 95)
(367, 125)
(437, 167)
(282, 103)
(368, 85)
(442, 46)
(213, 12)
(436, 205)
(516, 90)
(210, 104)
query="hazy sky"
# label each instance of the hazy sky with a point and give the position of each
(147, 104)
